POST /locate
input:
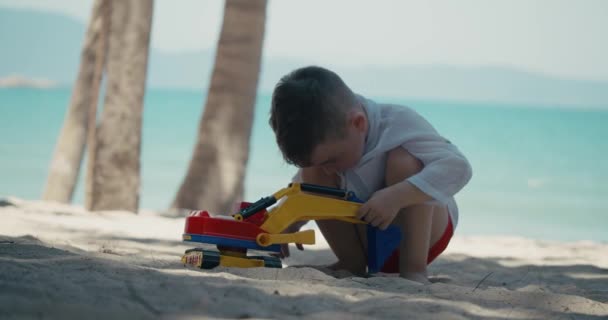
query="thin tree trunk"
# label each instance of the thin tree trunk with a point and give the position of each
(217, 168)
(116, 160)
(92, 125)
(67, 158)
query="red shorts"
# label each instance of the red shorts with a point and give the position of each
(392, 263)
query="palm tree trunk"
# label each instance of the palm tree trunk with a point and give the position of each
(217, 168)
(115, 178)
(92, 134)
(67, 158)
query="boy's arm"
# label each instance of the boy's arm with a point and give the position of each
(445, 173)
(381, 209)
(410, 194)
(445, 169)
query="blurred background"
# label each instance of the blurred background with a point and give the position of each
(520, 87)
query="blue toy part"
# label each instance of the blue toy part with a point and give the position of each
(351, 196)
(380, 246)
(380, 243)
(231, 242)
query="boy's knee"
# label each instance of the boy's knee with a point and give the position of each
(400, 165)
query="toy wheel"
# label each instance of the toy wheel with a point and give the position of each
(211, 259)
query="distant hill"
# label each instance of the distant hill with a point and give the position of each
(47, 46)
(39, 45)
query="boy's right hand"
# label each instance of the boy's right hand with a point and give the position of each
(294, 227)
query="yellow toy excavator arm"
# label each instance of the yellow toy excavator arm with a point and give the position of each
(300, 202)
(300, 206)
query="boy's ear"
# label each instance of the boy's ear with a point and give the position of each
(359, 121)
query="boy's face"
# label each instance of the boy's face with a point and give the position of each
(341, 154)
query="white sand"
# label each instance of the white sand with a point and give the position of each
(60, 261)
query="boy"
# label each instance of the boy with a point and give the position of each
(390, 156)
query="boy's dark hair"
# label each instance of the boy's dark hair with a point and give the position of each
(309, 106)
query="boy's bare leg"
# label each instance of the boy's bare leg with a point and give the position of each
(342, 237)
(422, 225)
(346, 244)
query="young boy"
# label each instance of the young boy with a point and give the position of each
(390, 156)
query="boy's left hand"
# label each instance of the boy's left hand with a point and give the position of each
(380, 210)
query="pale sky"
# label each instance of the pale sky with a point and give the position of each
(567, 39)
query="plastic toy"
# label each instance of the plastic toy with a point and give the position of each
(255, 228)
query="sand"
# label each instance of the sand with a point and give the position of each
(60, 261)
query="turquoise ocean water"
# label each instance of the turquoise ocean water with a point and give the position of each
(539, 172)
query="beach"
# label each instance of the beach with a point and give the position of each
(147, 106)
(60, 261)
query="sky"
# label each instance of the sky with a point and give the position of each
(565, 39)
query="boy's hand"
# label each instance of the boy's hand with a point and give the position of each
(380, 210)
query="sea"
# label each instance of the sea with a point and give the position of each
(538, 171)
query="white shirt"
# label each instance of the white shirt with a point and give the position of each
(446, 171)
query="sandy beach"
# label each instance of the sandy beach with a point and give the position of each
(60, 261)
